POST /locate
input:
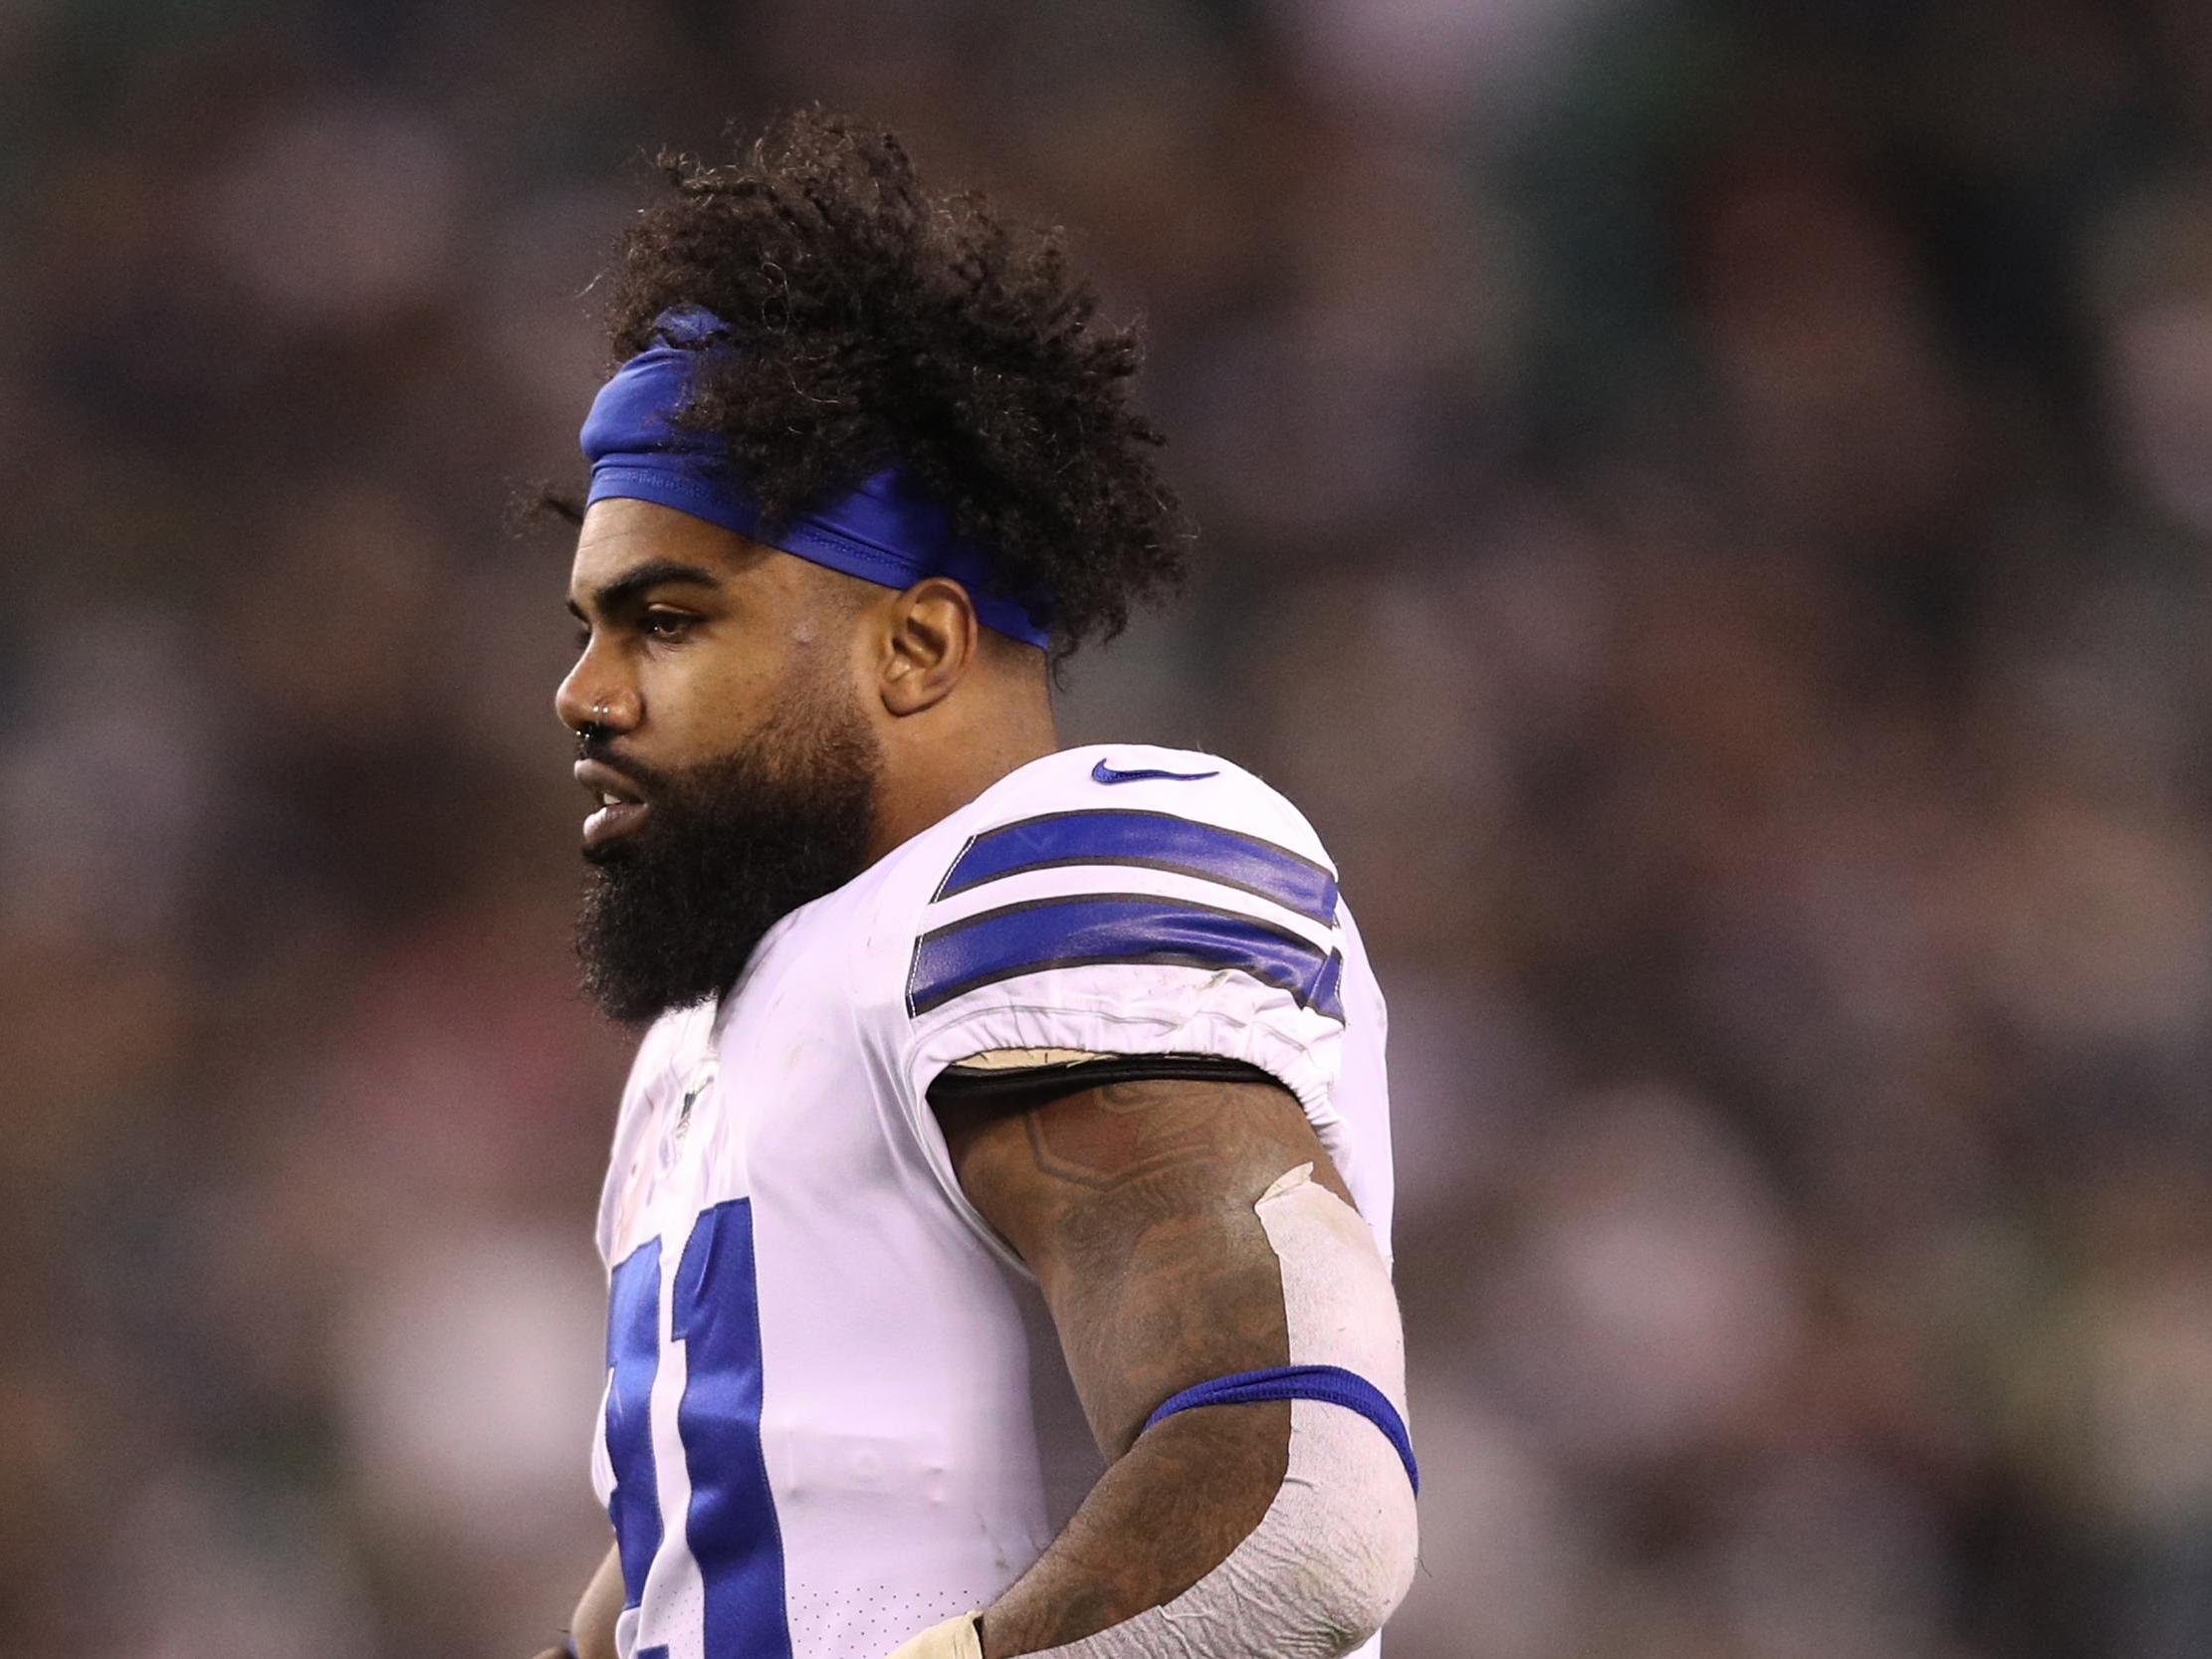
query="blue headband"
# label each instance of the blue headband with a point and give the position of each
(884, 532)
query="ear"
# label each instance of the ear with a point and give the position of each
(930, 646)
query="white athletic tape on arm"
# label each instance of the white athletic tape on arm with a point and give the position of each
(1334, 1553)
(956, 1638)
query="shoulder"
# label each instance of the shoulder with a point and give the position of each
(1120, 899)
(1097, 846)
(1143, 806)
(1131, 805)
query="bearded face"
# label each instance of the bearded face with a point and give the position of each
(728, 846)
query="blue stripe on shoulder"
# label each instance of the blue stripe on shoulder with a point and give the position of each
(1117, 927)
(1150, 841)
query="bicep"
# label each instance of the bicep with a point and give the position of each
(1133, 1204)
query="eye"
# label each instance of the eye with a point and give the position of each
(661, 624)
(583, 638)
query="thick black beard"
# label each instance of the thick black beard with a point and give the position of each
(671, 913)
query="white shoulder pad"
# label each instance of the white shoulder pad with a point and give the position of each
(1134, 900)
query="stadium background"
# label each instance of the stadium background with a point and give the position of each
(1706, 505)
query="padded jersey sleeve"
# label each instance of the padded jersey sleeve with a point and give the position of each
(1197, 919)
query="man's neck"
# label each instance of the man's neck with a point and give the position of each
(951, 771)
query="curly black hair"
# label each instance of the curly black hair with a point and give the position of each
(876, 324)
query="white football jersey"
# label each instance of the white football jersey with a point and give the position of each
(836, 1409)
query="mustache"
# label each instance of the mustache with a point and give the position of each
(590, 747)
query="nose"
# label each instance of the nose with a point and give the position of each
(590, 696)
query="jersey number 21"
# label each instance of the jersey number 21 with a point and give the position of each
(717, 1496)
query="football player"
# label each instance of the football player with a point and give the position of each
(997, 1222)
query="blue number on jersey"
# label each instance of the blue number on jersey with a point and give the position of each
(730, 1524)
(634, 1358)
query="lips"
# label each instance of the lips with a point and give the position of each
(622, 806)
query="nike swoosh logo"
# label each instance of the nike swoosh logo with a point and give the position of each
(1103, 773)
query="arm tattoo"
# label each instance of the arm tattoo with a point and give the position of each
(1132, 1204)
(1122, 1139)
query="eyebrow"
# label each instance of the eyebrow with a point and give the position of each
(658, 572)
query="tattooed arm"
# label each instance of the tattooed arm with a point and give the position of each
(1132, 1204)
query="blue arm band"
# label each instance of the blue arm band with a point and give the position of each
(1332, 1384)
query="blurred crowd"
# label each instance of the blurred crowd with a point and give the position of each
(1706, 505)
